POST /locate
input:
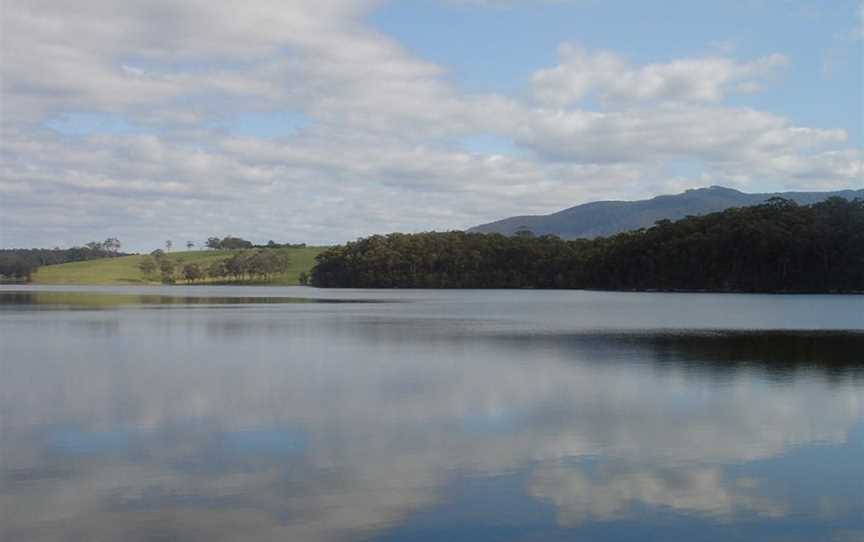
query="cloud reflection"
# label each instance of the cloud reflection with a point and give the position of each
(327, 423)
(614, 491)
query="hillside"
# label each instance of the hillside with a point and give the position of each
(124, 270)
(772, 247)
(603, 218)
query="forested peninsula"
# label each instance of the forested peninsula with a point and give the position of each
(777, 246)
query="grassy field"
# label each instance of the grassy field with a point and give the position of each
(124, 270)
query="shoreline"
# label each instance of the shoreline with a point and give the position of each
(278, 284)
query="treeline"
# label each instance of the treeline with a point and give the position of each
(245, 265)
(20, 263)
(777, 246)
(236, 243)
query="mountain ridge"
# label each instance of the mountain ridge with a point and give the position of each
(601, 218)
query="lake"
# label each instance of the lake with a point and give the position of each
(295, 414)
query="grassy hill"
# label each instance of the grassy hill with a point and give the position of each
(124, 270)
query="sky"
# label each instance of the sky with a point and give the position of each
(324, 121)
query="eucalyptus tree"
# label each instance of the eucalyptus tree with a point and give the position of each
(777, 246)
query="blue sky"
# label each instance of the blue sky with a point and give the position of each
(320, 123)
(496, 50)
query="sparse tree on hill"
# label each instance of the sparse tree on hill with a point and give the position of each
(217, 270)
(147, 265)
(259, 264)
(192, 272)
(233, 243)
(166, 270)
(112, 244)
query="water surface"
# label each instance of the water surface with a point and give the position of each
(229, 413)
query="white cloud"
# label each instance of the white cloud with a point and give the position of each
(509, 3)
(583, 73)
(318, 187)
(377, 152)
(713, 134)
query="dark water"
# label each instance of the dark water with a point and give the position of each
(289, 414)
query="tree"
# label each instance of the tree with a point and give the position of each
(237, 266)
(166, 270)
(217, 270)
(249, 265)
(147, 265)
(13, 266)
(192, 272)
(777, 246)
(233, 243)
(228, 243)
(112, 245)
(190, 244)
(168, 245)
(524, 232)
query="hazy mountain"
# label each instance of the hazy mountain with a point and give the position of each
(609, 217)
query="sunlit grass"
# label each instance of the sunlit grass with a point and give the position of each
(124, 270)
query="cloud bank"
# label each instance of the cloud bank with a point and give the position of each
(124, 118)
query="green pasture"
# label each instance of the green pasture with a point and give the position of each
(124, 270)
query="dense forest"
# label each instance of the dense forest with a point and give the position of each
(778, 246)
(21, 263)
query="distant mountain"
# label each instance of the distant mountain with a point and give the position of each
(609, 217)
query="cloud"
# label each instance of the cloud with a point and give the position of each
(510, 3)
(734, 137)
(583, 73)
(378, 148)
(620, 489)
(311, 177)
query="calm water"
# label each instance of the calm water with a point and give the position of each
(291, 414)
